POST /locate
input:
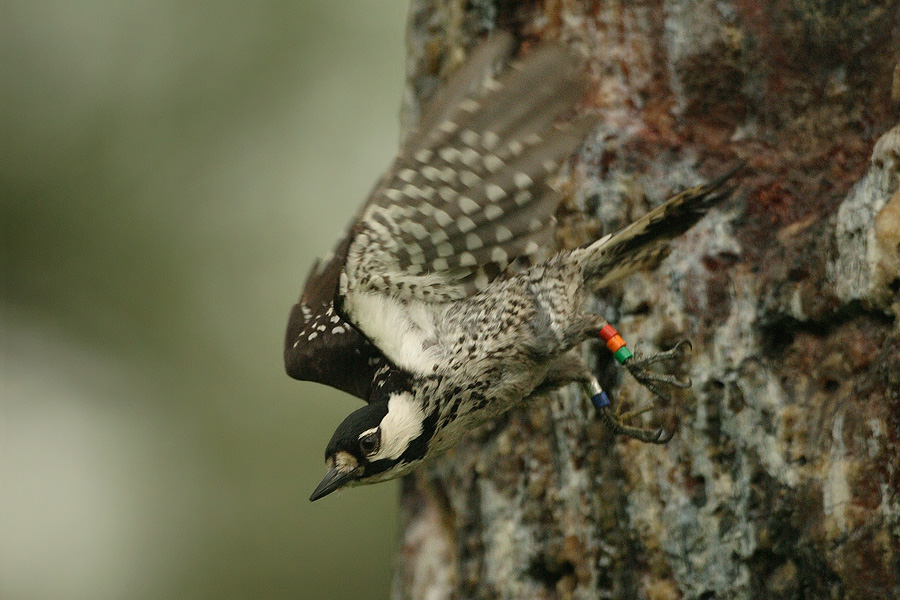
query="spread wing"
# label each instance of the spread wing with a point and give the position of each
(320, 344)
(466, 199)
(468, 196)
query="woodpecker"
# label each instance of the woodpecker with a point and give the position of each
(443, 307)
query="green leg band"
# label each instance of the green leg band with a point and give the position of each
(622, 354)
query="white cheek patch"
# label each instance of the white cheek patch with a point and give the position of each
(401, 425)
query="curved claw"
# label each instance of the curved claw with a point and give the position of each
(643, 375)
(663, 436)
(650, 436)
(683, 384)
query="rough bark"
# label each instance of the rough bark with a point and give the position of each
(783, 478)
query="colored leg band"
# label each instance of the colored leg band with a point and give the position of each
(608, 332)
(622, 354)
(600, 400)
(615, 343)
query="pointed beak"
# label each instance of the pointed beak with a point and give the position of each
(333, 480)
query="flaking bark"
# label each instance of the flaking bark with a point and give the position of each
(782, 481)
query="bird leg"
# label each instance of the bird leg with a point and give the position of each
(639, 367)
(615, 420)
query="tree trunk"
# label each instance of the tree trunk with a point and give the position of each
(782, 479)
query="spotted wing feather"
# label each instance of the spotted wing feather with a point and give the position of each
(467, 80)
(456, 212)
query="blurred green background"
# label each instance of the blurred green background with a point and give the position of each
(169, 172)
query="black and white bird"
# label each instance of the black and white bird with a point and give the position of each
(440, 307)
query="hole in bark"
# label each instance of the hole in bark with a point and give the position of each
(735, 398)
(508, 14)
(548, 571)
(642, 308)
(715, 397)
(698, 491)
(591, 203)
(776, 337)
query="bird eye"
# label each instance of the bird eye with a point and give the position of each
(369, 443)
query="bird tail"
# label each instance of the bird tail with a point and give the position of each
(644, 243)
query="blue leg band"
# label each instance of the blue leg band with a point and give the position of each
(600, 400)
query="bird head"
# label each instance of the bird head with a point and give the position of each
(380, 441)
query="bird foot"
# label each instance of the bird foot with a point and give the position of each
(657, 383)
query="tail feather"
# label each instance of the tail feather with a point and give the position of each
(644, 243)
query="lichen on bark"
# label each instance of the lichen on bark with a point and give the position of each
(783, 479)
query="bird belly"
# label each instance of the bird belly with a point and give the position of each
(483, 400)
(503, 344)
